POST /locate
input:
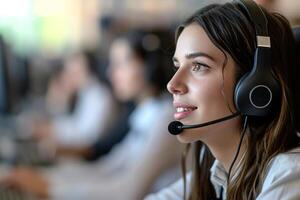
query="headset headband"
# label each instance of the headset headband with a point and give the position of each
(259, 20)
(257, 91)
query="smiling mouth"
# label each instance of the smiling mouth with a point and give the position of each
(182, 109)
(183, 112)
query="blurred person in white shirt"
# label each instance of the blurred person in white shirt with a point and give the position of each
(81, 107)
(288, 8)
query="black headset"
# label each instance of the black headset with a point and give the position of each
(258, 90)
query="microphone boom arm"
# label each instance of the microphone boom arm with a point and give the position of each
(212, 122)
(176, 127)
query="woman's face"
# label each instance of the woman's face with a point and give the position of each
(126, 71)
(202, 88)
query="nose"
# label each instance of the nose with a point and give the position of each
(177, 84)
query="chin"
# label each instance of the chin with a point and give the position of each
(184, 138)
(193, 135)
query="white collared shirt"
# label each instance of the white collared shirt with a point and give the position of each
(282, 180)
(93, 114)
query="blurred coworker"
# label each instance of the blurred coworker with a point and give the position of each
(93, 110)
(145, 157)
(288, 8)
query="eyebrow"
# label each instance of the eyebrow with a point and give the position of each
(195, 55)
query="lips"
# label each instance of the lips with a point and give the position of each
(183, 110)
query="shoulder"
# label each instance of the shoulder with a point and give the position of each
(283, 177)
(96, 91)
(287, 161)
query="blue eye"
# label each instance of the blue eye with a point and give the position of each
(199, 67)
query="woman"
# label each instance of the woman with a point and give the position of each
(251, 155)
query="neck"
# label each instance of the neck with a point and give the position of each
(225, 148)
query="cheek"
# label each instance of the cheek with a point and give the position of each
(207, 93)
(191, 135)
(229, 87)
(212, 98)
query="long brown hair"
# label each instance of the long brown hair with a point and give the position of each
(231, 30)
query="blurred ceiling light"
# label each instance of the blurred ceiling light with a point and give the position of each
(15, 8)
(44, 8)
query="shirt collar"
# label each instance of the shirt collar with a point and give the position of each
(218, 178)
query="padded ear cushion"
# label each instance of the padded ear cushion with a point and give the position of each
(236, 90)
(238, 85)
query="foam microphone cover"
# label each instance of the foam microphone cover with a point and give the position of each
(175, 127)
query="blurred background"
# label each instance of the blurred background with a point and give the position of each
(43, 46)
(52, 27)
(37, 31)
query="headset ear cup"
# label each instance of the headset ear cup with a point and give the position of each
(258, 91)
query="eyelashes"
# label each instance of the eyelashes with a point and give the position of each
(198, 66)
(195, 67)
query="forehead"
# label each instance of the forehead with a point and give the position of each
(194, 39)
